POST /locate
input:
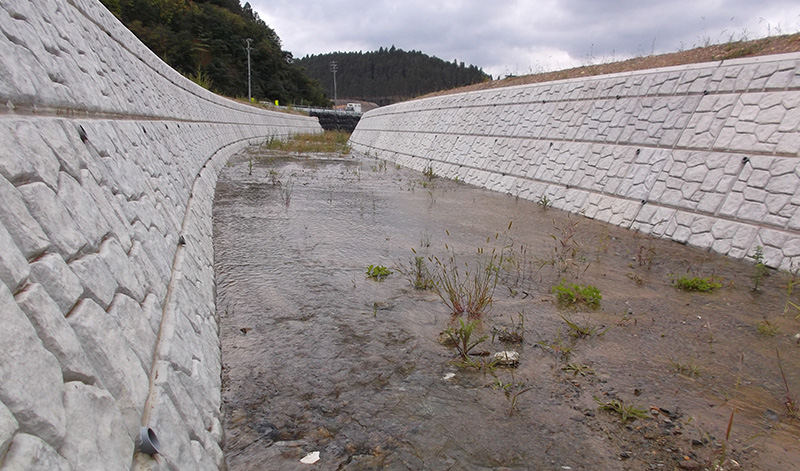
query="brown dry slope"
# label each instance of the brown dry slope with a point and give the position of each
(717, 52)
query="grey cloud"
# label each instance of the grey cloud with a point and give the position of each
(522, 35)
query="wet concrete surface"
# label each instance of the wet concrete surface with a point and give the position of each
(318, 357)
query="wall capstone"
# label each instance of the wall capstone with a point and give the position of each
(703, 154)
(107, 158)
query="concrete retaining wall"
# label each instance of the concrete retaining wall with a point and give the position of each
(703, 154)
(107, 158)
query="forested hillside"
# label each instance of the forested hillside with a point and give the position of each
(388, 75)
(205, 39)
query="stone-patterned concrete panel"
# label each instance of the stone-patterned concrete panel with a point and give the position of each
(697, 181)
(757, 124)
(34, 399)
(14, 268)
(56, 334)
(97, 437)
(31, 452)
(28, 236)
(8, 427)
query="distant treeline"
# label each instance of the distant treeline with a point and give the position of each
(205, 40)
(388, 75)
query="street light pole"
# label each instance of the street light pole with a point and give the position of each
(249, 94)
(333, 69)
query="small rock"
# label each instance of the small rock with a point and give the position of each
(507, 358)
(310, 458)
(625, 455)
(689, 465)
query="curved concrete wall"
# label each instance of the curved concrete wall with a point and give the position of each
(703, 154)
(107, 157)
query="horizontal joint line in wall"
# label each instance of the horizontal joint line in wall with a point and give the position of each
(106, 116)
(583, 141)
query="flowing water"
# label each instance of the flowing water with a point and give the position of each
(317, 357)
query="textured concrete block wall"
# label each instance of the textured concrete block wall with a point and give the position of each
(704, 154)
(107, 158)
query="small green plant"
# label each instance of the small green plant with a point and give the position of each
(767, 328)
(274, 177)
(580, 331)
(645, 256)
(378, 272)
(792, 406)
(695, 283)
(689, 369)
(560, 346)
(565, 256)
(635, 278)
(286, 192)
(428, 173)
(625, 411)
(721, 461)
(420, 276)
(572, 293)
(578, 369)
(760, 268)
(516, 334)
(513, 390)
(793, 280)
(462, 339)
(545, 202)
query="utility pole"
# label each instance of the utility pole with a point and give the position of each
(249, 94)
(333, 69)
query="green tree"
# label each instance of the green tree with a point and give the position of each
(207, 37)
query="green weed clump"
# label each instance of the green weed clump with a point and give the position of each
(328, 141)
(767, 328)
(572, 293)
(515, 334)
(378, 272)
(625, 411)
(469, 289)
(420, 275)
(760, 268)
(513, 390)
(578, 369)
(582, 331)
(695, 283)
(462, 337)
(689, 369)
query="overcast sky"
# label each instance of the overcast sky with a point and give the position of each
(522, 36)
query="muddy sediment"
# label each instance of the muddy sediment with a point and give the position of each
(319, 357)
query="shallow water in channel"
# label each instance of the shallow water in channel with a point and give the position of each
(318, 357)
